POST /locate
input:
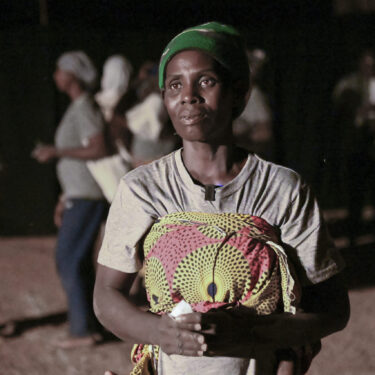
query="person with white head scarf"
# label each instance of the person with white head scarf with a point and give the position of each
(117, 71)
(114, 99)
(80, 65)
(81, 208)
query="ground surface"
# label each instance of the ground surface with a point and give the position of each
(31, 296)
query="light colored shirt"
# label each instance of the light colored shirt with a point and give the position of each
(80, 122)
(274, 193)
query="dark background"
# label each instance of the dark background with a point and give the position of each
(310, 46)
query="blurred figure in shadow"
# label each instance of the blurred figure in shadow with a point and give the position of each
(253, 129)
(81, 208)
(354, 112)
(153, 133)
(117, 73)
(114, 99)
(139, 128)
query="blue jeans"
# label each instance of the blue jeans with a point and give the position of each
(74, 257)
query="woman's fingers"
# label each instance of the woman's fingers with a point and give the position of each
(184, 342)
(189, 343)
(192, 341)
(193, 318)
(194, 327)
(190, 322)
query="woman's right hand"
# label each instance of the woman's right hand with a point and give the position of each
(173, 339)
(44, 153)
(58, 213)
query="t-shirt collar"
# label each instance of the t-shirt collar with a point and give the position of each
(226, 189)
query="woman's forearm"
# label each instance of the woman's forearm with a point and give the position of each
(123, 318)
(82, 153)
(238, 331)
(115, 311)
(326, 310)
(252, 335)
(94, 149)
(286, 330)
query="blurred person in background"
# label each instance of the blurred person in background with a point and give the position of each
(153, 133)
(81, 207)
(354, 114)
(115, 81)
(253, 128)
(115, 97)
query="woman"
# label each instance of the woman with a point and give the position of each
(81, 208)
(220, 229)
(148, 119)
(117, 72)
(115, 98)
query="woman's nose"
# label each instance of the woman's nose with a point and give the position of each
(189, 94)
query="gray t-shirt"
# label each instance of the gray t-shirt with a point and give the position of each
(80, 122)
(274, 193)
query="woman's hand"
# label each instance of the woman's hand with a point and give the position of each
(44, 154)
(236, 331)
(226, 332)
(59, 211)
(174, 338)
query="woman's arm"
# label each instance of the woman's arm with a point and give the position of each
(115, 311)
(59, 211)
(94, 149)
(326, 310)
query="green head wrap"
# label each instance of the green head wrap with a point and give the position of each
(222, 42)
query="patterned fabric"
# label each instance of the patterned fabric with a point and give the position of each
(213, 260)
(145, 358)
(217, 260)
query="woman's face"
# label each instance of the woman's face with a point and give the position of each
(63, 79)
(198, 102)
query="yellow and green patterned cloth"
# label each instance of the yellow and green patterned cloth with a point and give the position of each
(215, 261)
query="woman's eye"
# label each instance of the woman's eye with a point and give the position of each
(207, 82)
(174, 85)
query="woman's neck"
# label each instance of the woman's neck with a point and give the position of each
(213, 164)
(75, 91)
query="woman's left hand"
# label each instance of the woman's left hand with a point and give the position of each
(225, 332)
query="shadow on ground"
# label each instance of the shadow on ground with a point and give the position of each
(14, 328)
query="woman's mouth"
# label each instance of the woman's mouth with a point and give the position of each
(192, 118)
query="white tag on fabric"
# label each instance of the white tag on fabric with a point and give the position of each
(181, 308)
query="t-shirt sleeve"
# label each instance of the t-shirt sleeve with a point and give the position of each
(89, 121)
(305, 235)
(127, 222)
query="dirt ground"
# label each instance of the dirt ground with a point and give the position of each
(31, 297)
